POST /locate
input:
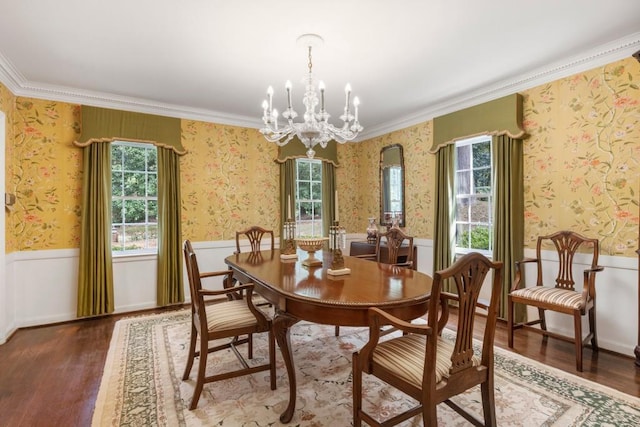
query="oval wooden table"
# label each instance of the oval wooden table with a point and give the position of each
(309, 293)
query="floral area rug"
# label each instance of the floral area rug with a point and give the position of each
(142, 386)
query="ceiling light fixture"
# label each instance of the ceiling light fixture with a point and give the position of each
(316, 128)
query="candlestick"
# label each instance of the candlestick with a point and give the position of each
(288, 86)
(336, 202)
(289, 207)
(321, 87)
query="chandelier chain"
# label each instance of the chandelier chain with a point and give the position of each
(310, 64)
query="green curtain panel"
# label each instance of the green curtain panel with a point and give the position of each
(102, 124)
(328, 196)
(95, 273)
(508, 216)
(170, 288)
(287, 191)
(444, 226)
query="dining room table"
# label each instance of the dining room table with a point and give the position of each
(298, 292)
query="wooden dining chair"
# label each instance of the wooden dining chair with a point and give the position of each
(219, 319)
(394, 239)
(427, 366)
(562, 295)
(254, 234)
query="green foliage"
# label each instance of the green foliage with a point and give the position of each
(479, 238)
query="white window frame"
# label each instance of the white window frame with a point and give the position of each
(148, 225)
(311, 227)
(469, 221)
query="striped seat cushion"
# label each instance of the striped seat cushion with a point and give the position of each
(404, 356)
(229, 315)
(557, 296)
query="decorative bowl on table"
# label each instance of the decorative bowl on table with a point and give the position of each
(311, 245)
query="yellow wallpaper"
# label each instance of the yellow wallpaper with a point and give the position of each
(582, 169)
(582, 159)
(229, 181)
(419, 184)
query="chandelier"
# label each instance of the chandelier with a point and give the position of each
(316, 128)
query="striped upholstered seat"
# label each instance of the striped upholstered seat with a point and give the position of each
(229, 315)
(404, 357)
(556, 296)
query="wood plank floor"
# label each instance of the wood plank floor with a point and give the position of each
(50, 375)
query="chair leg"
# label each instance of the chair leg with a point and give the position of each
(357, 390)
(488, 403)
(543, 319)
(202, 367)
(429, 414)
(192, 352)
(510, 321)
(337, 331)
(272, 359)
(250, 346)
(577, 321)
(592, 328)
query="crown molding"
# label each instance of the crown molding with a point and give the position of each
(601, 55)
(596, 57)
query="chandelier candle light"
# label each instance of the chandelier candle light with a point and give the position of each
(316, 128)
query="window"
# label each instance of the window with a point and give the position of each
(308, 197)
(134, 198)
(473, 189)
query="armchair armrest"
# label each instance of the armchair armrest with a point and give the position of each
(378, 318)
(518, 276)
(214, 273)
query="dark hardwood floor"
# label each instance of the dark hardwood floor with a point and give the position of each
(50, 375)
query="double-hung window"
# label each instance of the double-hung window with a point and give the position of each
(473, 195)
(134, 197)
(308, 209)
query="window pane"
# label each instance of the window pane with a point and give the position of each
(152, 160)
(479, 237)
(304, 190)
(152, 185)
(134, 211)
(152, 235)
(480, 210)
(134, 183)
(116, 157)
(481, 155)
(317, 210)
(462, 182)
(305, 210)
(482, 180)
(463, 157)
(116, 183)
(462, 235)
(152, 211)
(316, 190)
(134, 158)
(462, 209)
(304, 170)
(316, 171)
(116, 211)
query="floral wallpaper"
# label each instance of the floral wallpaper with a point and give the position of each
(419, 179)
(229, 181)
(582, 158)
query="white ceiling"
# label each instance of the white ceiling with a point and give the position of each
(408, 61)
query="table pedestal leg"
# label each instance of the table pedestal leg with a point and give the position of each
(281, 324)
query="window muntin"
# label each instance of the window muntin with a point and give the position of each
(473, 195)
(134, 197)
(308, 209)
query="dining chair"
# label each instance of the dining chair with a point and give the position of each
(562, 295)
(254, 234)
(222, 318)
(428, 365)
(394, 239)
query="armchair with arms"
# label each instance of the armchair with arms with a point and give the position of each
(423, 364)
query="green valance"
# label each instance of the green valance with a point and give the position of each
(102, 124)
(296, 149)
(502, 116)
